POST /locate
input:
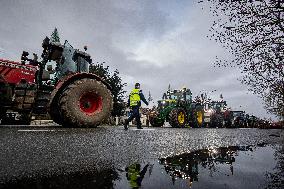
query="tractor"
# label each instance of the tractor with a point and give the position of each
(238, 119)
(218, 113)
(178, 108)
(68, 94)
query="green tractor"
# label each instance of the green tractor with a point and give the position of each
(178, 108)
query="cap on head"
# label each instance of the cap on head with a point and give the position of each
(137, 85)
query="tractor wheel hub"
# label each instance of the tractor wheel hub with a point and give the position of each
(90, 103)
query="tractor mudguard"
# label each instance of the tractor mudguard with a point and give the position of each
(65, 81)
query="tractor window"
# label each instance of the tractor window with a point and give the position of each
(237, 114)
(188, 96)
(173, 97)
(68, 64)
(177, 95)
(83, 64)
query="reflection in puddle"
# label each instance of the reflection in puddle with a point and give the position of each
(185, 166)
(226, 167)
(135, 175)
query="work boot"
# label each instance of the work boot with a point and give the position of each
(125, 125)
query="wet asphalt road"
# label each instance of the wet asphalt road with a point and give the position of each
(37, 153)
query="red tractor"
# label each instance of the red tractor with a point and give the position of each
(71, 95)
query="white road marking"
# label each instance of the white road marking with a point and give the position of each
(39, 130)
(143, 129)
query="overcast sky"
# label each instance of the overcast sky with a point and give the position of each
(156, 43)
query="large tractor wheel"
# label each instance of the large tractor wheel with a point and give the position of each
(156, 122)
(85, 103)
(177, 117)
(199, 118)
(54, 111)
(216, 121)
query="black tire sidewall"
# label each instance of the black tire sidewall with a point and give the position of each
(156, 122)
(173, 117)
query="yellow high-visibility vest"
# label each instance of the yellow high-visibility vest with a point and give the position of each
(134, 97)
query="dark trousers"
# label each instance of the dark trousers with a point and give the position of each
(135, 114)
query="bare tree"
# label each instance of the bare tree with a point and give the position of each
(253, 31)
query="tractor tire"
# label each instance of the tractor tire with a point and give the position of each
(85, 103)
(216, 121)
(54, 110)
(156, 122)
(54, 113)
(199, 119)
(177, 117)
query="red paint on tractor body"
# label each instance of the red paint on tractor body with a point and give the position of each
(14, 72)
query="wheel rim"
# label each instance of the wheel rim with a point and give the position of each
(90, 103)
(181, 118)
(199, 117)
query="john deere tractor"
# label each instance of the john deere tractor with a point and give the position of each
(178, 109)
(72, 97)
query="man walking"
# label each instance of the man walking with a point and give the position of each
(134, 102)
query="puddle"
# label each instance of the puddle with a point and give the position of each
(227, 167)
(230, 167)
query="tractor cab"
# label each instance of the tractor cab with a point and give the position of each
(72, 61)
(240, 114)
(238, 118)
(184, 95)
(178, 95)
(218, 106)
(68, 60)
(175, 97)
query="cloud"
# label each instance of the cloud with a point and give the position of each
(1, 52)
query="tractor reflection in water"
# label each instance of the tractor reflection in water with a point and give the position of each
(186, 166)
